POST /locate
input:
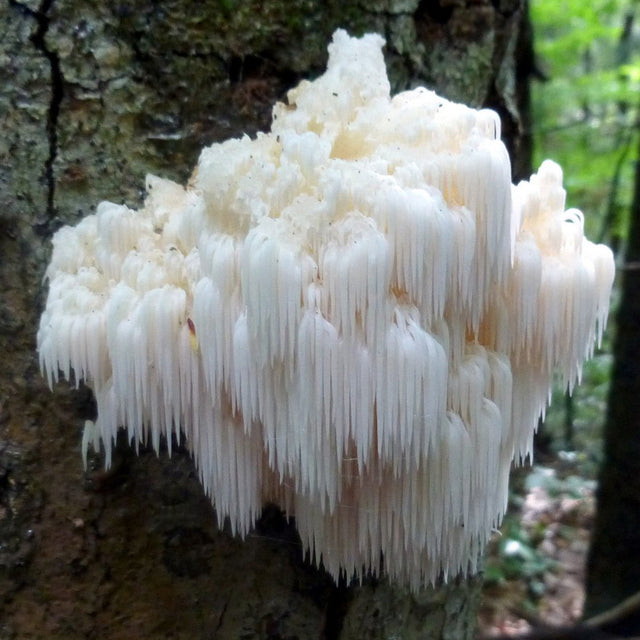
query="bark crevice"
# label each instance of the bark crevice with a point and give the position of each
(42, 19)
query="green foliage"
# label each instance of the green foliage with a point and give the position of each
(570, 27)
(585, 112)
(517, 557)
(555, 485)
(549, 509)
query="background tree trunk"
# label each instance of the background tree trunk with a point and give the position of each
(614, 559)
(92, 97)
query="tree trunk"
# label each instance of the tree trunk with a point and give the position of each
(92, 97)
(614, 560)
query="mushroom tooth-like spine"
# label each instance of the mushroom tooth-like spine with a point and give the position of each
(410, 393)
(485, 185)
(318, 439)
(272, 289)
(523, 293)
(355, 269)
(358, 393)
(217, 303)
(421, 236)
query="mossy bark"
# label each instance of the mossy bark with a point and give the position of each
(92, 97)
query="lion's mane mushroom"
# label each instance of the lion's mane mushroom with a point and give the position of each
(356, 316)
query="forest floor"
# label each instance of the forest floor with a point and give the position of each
(535, 569)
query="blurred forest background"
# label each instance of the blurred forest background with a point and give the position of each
(585, 115)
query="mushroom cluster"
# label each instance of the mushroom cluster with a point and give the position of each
(356, 316)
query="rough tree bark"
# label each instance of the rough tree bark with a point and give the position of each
(92, 97)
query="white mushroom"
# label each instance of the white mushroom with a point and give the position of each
(355, 315)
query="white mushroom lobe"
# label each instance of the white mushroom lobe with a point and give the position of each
(355, 315)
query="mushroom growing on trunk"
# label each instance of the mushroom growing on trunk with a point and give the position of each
(356, 316)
